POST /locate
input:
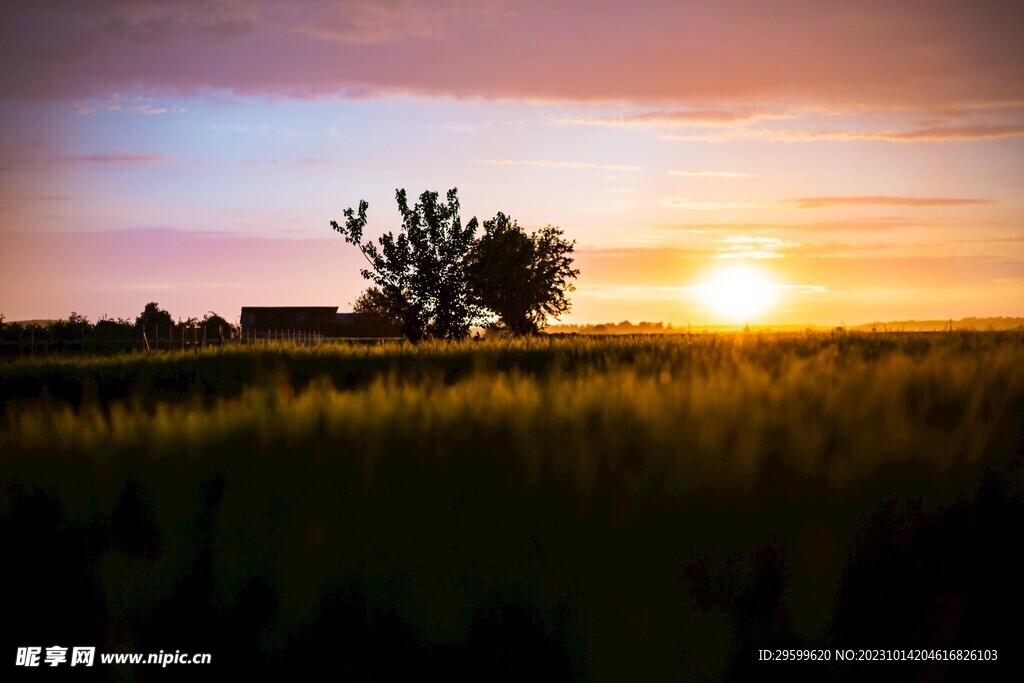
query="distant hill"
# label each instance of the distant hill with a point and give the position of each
(33, 323)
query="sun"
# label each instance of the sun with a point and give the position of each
(738, 292)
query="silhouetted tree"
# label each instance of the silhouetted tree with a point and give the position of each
(420, 273)
(522, 278)
(373, 315)
(111, 328)
(75, 327)
(152, 315)
(216, 325)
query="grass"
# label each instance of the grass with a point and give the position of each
(575, 509)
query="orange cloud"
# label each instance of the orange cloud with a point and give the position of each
(683, 203)
(678, 266)
(820, 202)
(876, 224)
(710, 174)
(747, 247)
(677, 117)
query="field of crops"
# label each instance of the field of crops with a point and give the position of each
(561, 508)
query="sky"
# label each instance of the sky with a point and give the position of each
(829, 162)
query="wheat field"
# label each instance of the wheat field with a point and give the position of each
(653, 508)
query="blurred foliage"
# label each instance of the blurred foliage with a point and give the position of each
(578, 509)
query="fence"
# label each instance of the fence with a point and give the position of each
(198, 336)
(253, 335)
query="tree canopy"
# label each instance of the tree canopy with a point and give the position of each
(420, 272)
(521, 278)
(438, 280)
(151, 315)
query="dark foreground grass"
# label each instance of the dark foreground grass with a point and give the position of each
(638, 509)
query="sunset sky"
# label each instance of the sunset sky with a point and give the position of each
(865, 160)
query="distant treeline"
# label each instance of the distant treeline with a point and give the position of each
(155, 326)
(78, 333)
(968, 324)
(626, 327)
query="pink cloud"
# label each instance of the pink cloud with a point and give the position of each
(932, 134)
(651, 52)
(119, 158)
(710, 174)
(562, 164)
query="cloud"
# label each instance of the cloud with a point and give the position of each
(851, 225)
(263, 130)
(821, 202)
(370, 22)
(746, 247)
(957, 111)
(116, 102)
(658, 265)
(952, 134)
(875, 224)
(35, 198)
(562, 164)
(683, 203)
(119, 158)
(651, 54)
(677, 117)
(709, 174)
(934, 134)
(277, 160)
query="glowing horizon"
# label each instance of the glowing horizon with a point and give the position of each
(868, 162)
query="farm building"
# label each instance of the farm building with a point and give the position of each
(301, 318)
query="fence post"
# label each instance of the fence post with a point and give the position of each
(32, 337)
